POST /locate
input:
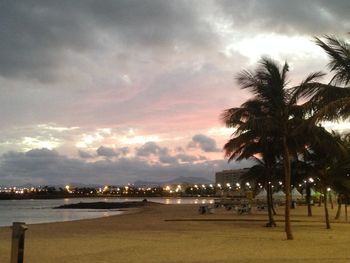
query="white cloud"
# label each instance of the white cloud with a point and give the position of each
(30, 143)
(276, 46)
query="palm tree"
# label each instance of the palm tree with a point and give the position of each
(324, 154)
(341, 178)
(301, 172)
(268, 118)
(263, 173)
(330, 101)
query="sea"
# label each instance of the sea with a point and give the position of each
(35, 211)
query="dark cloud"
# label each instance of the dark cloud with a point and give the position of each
(39, 153)
(150, 148)
(204, 142)
(38, 166)
(186, 157)
(48, 167)
(84, 154)
(311, 17)
(167, 159)
(153, 149)
(164, 157)
(106, 152)
(38, 36)
(123, 151)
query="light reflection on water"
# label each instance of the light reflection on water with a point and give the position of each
(40, 211)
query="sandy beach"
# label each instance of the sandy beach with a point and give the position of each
(178, 233)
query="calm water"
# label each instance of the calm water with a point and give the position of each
(40, 211)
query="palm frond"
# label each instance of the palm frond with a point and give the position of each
(333, 111)
(308, 87)
(339, 54)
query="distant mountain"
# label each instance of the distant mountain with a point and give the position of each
(189, 180)
(81, 185)
(147, 183)
(178, 180)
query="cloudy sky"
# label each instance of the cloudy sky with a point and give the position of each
(111, 92)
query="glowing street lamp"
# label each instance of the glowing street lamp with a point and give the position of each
(68, 189)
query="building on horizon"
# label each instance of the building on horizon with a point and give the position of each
(230, 177)
(230, 183)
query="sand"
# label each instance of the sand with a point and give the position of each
(177, 233)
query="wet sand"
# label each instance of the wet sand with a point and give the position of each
(177, 233)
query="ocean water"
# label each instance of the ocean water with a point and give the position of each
(41, 211)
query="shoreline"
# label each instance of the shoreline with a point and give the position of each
(41, 211)
(54, 197)
(104, 205)
(146, 234)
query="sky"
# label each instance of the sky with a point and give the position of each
(110, 92)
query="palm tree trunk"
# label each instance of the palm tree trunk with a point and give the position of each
(271, 222)
(346, 207)
(328, 225)
(287, 175)
(320, 200)
(271, 201)
(331, 200)
(308, 199)
(339, 207)
(273, 175)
